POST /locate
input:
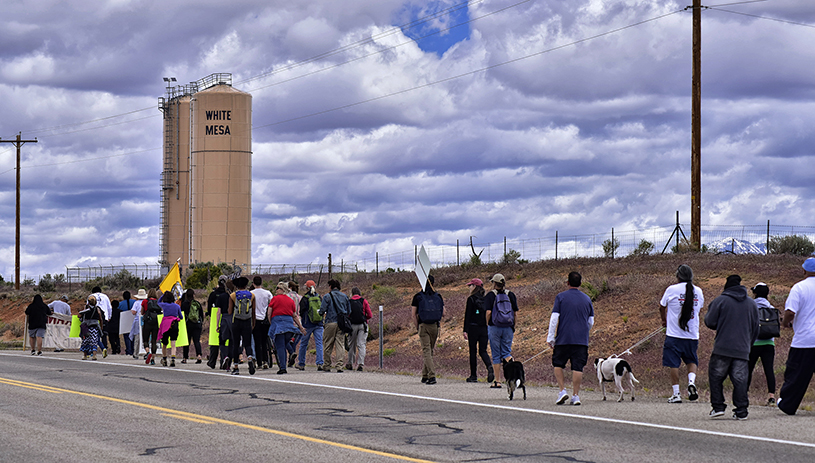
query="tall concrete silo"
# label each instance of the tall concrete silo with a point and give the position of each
(206, 209)
(222, 173)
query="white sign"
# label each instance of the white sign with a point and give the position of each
(423, 267)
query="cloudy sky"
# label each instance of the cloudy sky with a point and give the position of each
(383, 124)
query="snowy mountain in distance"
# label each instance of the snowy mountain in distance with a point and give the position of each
(738, 246)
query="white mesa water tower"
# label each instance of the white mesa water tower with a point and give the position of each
(206, 204)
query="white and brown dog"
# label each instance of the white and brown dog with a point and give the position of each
(614, 369)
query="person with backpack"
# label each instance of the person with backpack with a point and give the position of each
(92, 320)
(333, 306)
(427, 310)
(150, 311)
(194, 318)
(126, 305)
(734, 317)
(284, 322)
(168, 330)
(312, 322)
(500, 306)
(769, 320)
(261, 331)
(359, 316)
(242, 311)
(294, 341)
(475, 330)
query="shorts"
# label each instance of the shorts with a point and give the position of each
(678, 350)
(576, 354)
(36, 333)
(500, 342)
(171, 334)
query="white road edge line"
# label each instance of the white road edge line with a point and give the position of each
(461, 402)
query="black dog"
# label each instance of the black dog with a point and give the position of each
(514, 376)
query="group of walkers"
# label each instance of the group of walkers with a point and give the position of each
(256, 327)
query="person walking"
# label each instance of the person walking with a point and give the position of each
(799, 314)
(734, 317)
(500, 307)
(150, 311)
(126, 305)
(91, 323)
(168, 330)
(283, 323)
(242, 312)
(764, 347)
(333, 303)
(112, 328)
(194, 318)
(60, 306)
(312, 322)
(38, 313)
(679, 309)
(360, 313)
(103, 301)
(475, 330)
(136, 329)
(261, 331)
(212, 302)
(427, 309)
(569, 325)
(294, 341)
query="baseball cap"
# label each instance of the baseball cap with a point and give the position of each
(475, 282)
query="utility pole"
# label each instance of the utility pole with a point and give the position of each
(18, 142)
(696, 131)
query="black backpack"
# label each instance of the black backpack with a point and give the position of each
(357, 315)
(430, 308)
(769, 323)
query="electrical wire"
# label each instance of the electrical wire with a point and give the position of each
(57, 127)
(763, 17)
(75, 161)
(469, 73)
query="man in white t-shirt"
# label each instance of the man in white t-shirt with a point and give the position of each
(103, 301)
(260, 333)
(681, 321)
(800, 316)
(61, 306)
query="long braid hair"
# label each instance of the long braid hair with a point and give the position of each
(685, 274)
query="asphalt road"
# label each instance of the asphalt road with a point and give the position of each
(59, 408)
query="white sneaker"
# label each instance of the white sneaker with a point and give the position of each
(716, 413)
(675, 399)
(562, 397)
(575, 400)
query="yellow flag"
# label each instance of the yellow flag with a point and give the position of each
(172, 282)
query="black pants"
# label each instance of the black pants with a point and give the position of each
(194, 334)
(721, 367)
(150, 334)
(477, 336)
(767, 356)
(261, 335)
(800, 367)
(224, 335)
(115, 343)
(241, 338)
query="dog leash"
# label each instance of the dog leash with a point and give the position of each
(539, 353)
(628, 351)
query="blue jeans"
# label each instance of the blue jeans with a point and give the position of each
(719, 368)
(317, 331)
(500, 342)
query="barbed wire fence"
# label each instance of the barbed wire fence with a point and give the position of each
(718, 238)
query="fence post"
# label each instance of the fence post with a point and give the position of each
(329, 265)
(612, 242)
(767, 249)
(377, 262)
(505, 248)
(381, 339)
(458, 256)
(555, 244)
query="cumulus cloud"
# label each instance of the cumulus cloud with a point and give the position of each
(375, 132)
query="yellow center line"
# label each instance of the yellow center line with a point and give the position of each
(195, 420)
(210, 419)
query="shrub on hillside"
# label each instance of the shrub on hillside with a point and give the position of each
(120, 280)
(798, 245)
(643, 249)
(47, 283)
(610, 247)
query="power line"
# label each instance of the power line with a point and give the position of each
(47, 129)
(487, 68)
(75, 161)
(763, 17)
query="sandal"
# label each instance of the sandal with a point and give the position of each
(495, 385)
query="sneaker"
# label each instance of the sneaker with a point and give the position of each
(348, 366)
(431, 381)
(211, 363)
(164, 361)
(197, 361)
(172, 362)
(235, 371)
(105, 353)
(300, 367)
(323, 369)
(184, 361)
(562, 397)
(692, 394)
(264, 366)
(148, 358)
(715, 413)
(424, 380)
(292, 359)
(472, 379)
(740, 418)
(359, 368)
(251, 363)
(490, 376)
(340, 370)
(33, 352)
(575, 400)
(135, 356)
(282, 371)
(93, 357)
(675, 399)
(85, 357)
(771, 402)
(152, 362)
(39, 352)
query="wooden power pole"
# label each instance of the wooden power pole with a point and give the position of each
(18, 142)
(696, 130)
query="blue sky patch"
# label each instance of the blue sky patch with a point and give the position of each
(437, 26)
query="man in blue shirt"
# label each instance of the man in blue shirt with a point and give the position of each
(572, 318)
